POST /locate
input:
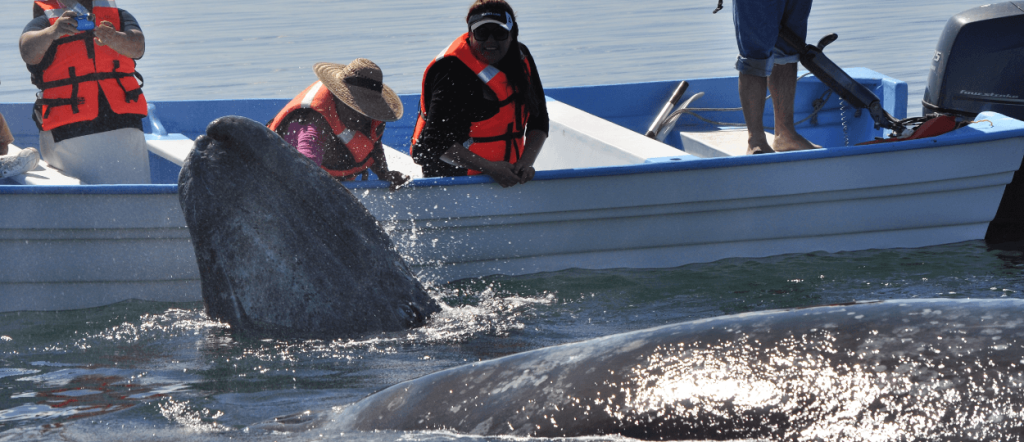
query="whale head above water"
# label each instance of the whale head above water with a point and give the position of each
(284, 249)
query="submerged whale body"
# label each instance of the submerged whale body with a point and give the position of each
(282, 248)
(886, 371)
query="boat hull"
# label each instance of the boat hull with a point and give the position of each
(67, 249)
(900, 199)
(604, 197)
(84, 257)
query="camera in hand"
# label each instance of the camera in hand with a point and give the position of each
(84, 22)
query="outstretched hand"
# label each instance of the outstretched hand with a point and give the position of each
(503, 173)
(105, 33)
(525, 172)
(396, 178)
(65, 25)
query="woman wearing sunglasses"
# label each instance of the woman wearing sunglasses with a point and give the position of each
(482, 110)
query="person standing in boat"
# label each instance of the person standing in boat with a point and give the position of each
(90, 107)
(767, 63)
(338, 121)
(482, 110)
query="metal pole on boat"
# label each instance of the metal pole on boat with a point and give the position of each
(676, 96)
(813, 58)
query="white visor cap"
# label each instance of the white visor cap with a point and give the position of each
(479, 20)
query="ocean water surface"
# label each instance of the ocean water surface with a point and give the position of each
(198, 49)
(152, 371)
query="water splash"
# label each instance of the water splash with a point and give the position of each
(81, 393)
(152, 328)
(196, 420)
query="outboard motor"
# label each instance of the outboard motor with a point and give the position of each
(979, 66)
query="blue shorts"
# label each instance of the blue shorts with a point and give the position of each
(757, 32)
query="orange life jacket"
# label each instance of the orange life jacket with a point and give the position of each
(72, 81)
(499, 138)
(320, 99)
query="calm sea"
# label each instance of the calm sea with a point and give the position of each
(150, 371)
(258, 48)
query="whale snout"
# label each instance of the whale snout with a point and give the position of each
(222, 129)
(202, 143)
(255, 205)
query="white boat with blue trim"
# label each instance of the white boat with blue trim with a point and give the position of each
(605, 196)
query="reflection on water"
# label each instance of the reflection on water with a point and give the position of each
(88, 393)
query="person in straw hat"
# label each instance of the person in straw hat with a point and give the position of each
(339, 120)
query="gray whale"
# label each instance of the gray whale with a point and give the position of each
(891, 371)
(283, 249)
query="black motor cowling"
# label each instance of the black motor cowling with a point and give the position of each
(979, 63)
(979, 66)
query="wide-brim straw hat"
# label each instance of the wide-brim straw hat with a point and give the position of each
(360, 85)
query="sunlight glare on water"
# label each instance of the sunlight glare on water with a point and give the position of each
(836, 384)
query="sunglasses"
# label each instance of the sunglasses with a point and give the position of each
(482, 33)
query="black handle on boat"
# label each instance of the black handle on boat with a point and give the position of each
(676, 96)
(838, 80)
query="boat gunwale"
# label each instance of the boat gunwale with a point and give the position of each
(959, 137)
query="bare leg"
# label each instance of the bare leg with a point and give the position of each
(752, 96)
(782, 84)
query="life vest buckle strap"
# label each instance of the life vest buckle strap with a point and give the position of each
(90, 46)
(509, 143)
(132, 95)
(85, 79)
(344, 171)
(75, 37)
(74, 92)
(511, 135)
(511, 99)
(51, 103)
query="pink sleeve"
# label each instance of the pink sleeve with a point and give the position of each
(5, 133)
(306, 139)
